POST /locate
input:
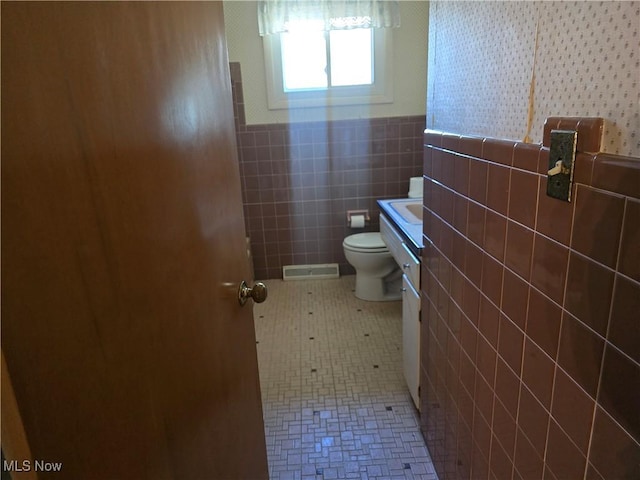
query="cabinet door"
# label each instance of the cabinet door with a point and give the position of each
(411, 338)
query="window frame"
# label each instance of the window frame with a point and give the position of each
(380, 91)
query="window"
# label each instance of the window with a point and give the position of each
(314, 60)
(307, 66)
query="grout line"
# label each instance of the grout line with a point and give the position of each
(553, 382)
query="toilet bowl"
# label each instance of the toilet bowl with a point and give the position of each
(378, 277)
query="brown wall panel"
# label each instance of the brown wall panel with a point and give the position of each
(557, 285)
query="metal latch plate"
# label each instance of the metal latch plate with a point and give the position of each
(562, 155)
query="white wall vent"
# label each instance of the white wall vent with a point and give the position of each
(307, 272)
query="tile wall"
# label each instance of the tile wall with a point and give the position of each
(530, 335)
(299, 180)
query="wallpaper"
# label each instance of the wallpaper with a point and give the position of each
(501, 68)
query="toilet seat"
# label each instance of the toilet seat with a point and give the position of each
(370, 242)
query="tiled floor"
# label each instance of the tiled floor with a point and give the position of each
(334, 397)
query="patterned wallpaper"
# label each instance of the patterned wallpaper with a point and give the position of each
(587, 63)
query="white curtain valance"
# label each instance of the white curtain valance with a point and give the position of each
(277, 16)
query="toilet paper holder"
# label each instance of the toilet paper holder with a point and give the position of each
(364, 213)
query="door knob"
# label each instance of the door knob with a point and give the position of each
(258, 292)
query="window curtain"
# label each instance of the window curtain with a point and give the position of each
(277, 16)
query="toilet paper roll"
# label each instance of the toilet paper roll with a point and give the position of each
(357, 221)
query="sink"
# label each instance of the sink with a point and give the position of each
(416, 209)
(409, 211)
(406, 216)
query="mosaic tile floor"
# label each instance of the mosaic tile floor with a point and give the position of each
(333, 393)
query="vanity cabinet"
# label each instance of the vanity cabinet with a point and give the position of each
(401, 251)
(411, 338)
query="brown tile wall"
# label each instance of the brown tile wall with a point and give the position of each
(299, 180)
(530, 333)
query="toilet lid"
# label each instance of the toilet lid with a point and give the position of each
(366, 241)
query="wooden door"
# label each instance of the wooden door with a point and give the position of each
(123, 244)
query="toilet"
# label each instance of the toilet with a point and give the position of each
(378, 277)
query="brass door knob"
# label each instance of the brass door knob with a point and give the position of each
(258, 292)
